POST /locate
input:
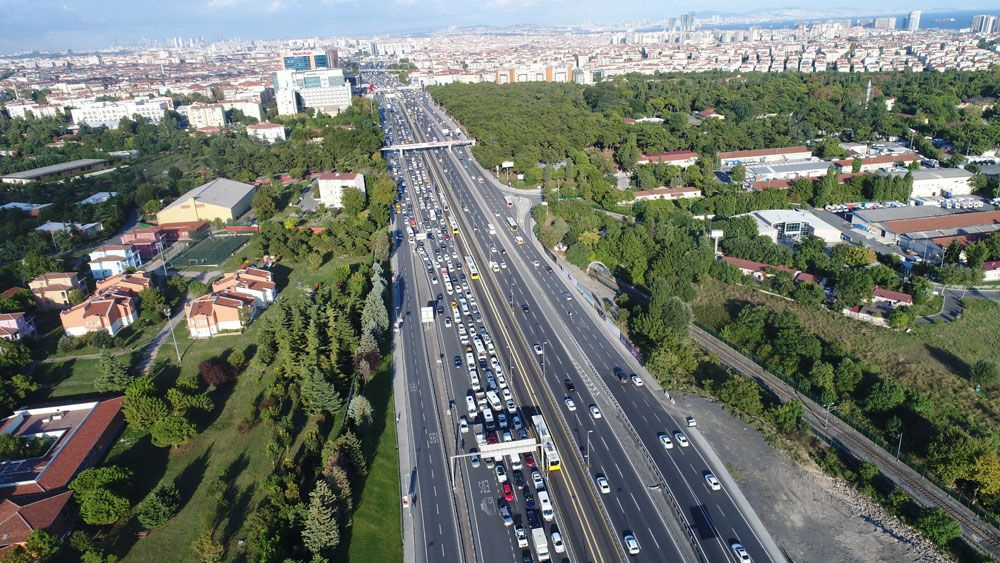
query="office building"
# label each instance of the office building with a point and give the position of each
(938, 182)
(326, 91)
(913, 21)
(787, 225)
(885, 23)
(986, 24)
(206, 115)
(109, 114)
(308, 60)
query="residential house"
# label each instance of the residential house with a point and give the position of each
(113, 259)
(891, 298)
(148, 241)
(33, 492)
(254, 282)
(52, 290)
(216, 313)
(15, 326)
(331, 186)
(676, 158)
(991, 271)
(135, 282)
(110, 310)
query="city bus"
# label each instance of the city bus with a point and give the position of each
(454, 225)
(508, 201)
(550, 457)
(473, 270)
(512, 224)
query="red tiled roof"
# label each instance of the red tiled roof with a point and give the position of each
(884, 159)
(670, 155)
(10, 292)
(81, 444)
(956, 221)
(991, 265)
(893, 295)
(668, 191)
(18, 520)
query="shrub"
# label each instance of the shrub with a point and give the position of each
(159, 506)
(215, 373)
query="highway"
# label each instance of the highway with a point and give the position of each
(716, 518)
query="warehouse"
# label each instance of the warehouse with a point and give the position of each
(787, 170)
(938, 182)
(71, 168)
(927, 236)
(221, 199)
(786, 225)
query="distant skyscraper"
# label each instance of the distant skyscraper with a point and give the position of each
(308, 60)
(986, 24)
(913, 22)
(885, 23)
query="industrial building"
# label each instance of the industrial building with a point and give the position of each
(72, 168)
(764, 156)
(221, 199)
(792, 225)
(925, 230)
(787, 170)
(938, 182)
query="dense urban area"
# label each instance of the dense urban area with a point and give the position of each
(704, 288)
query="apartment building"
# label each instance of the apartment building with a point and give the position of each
(113, 259)
(109, 114)
(52, 290)
(331, 186)
(253, 282)
(216, 313)
(110, 310)
(16, 326)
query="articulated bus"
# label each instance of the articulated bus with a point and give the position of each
(550, 457)
(508, 201)
(454, 224)
(512, 224)
(473, 270)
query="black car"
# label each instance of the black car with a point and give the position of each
(525, 308)
(518, 477)
(458, 361)
(529, 500)
(440, 296)
(569, 385)
(440, 310)
(526, 557)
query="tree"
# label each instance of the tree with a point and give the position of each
(142, 411)
(207, 549)
(742, 394)
(809, 294)
(152, 304)
(14, 356)
(847, 376)
(867, 470)
(885, 395)
(237, 360)
(984, 372)
(374, 317)
(938, 526)
(152, 207)
(352, 201)
(159, 506)
(102, 507)
(851, 255)
(321, 531)
(76, 297)
(986, 472)
(318, 394)
(786, 417)
(215, 373)
(42, 545)
(953, 253)
(738, 173)
(821, 376)
(360, 411)
(172, 430)
(379, 245)
(112, 373)
(901, 317)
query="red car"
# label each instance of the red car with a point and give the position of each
(491, 438)
(529, 460)
(508, 492)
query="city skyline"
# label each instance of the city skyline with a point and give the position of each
(57, 26)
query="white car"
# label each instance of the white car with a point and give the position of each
(665, 440)
(637, 380)
(501, 473)
(447, 322)
(463, 425)
(511, 406)
(631, 544)
(534, 263)
(522, 537)
(557, 542)
(740, 551)
(538, 349)
(681, 439)
(570, 404)
(602, 484)
(595, 412)
(713, 482)
(537, 481)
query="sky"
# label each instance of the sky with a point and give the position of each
(89, 24)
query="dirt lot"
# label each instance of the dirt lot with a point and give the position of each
(811, 516)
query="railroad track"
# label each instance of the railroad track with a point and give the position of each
(975, 530)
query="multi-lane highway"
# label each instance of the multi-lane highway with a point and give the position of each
(551, 351)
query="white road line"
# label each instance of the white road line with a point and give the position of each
(619, 470)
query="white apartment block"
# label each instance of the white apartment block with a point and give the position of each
(109, 114)
(113, 259)
(332, 184)
(248, 107)
(22, 110)
(206, 115)
(270, 132)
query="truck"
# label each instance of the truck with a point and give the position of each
(541, 543)
(480, 434)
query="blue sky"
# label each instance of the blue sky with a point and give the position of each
(86, 24)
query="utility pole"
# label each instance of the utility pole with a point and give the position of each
(588, 447)
(899, 446)
(177, 350)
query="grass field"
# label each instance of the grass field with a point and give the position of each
(933, 359)
(69, 377)
(211, 252)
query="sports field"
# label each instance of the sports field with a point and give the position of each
(210, 252)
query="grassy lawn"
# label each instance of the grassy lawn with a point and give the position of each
(933, 358)
(129, 337)
(70, 377)
(376, 534)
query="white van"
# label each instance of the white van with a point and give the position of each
(515, 461)
(493, 230)
(470, 404)
(543, 500)
(494, 400)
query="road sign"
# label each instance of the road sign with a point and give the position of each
(507, 448)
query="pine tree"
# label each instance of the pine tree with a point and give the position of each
(313, 343)
(318, 394)
(112, 373)
(321, 532)
(360, 411)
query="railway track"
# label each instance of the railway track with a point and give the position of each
(975, 530)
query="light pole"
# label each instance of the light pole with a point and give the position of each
(170, 325)
(899, 446)
(588, 448)
(829, 407)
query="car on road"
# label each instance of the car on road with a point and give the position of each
(691, 421)
(567, 296)
(505, 514)
(666, 441)
(557, 542)
(620, 374)
(570, 405)
(569, 385)
(537, 347)
(713, 482)
(534, 263)
(458, 361)
(529, 459)
(525, 308)
(463, 425)
(447, 322)
(548, 269)
(474, 458)
(602, 484)
(508, 492)
(636, 380)
(681, 439)
(518, 476)
(631, 544)
(522, 538)
(529, 499)
(501, 473)
(740, 551)
(537, 481)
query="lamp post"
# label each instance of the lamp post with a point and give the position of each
(829, 407)
(177, 350)
(899, 445)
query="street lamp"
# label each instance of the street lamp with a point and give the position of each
(588, 447)
(170, 325)
(829, 407)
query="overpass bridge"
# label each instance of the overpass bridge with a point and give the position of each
(427, 145)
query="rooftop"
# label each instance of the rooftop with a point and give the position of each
(764, 152)
(54, 169)
(220, 191)
(957, 221)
